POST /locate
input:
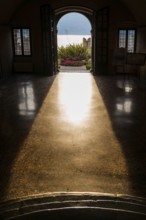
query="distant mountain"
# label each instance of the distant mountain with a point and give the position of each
(74, 24)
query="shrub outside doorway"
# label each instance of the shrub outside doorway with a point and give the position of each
(74, 55)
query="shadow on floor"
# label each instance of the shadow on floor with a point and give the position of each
(127, 112)
(21, 98)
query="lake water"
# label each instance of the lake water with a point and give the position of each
(64, 40)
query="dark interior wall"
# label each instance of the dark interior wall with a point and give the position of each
(29, 16)
(141, 39)
(86, 3)
(6, 54)
(120, 17)
(141, 48)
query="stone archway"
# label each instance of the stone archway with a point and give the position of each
(88, 13)
(99, 23)
(74, 34)
(83, 10)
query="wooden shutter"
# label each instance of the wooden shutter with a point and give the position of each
(100, 41)
(48, 38)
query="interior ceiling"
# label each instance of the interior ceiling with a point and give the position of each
(9, 7)
(138, 8)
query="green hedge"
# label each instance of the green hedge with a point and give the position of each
(73, 52)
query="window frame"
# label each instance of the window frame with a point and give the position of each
(22, 42)
(128, 29)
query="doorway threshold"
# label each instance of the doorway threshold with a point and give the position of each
(74, 69)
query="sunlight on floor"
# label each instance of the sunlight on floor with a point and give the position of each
(75, 93)
(70, 142)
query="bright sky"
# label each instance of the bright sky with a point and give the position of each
(74, 24)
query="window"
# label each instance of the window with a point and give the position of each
(21, 37)
(127, 38)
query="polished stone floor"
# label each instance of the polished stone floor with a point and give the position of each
(72, 133)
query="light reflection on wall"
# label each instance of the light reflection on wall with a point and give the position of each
(27, 104)
(75, 95)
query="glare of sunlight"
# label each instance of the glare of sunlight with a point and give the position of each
(75, 95)
(26, 103)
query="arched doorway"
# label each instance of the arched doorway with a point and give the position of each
(99, 22)
(74, 42)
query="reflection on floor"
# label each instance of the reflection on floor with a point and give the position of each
(72, 133)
